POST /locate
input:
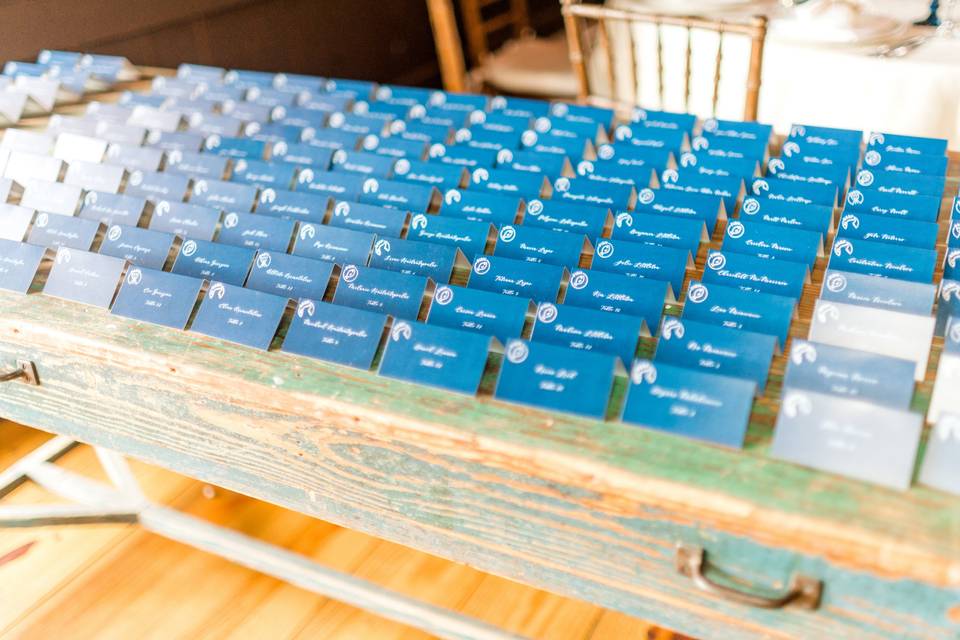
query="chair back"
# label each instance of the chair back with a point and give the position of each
(600, 37)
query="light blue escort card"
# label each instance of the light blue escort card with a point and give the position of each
(850, 373)
(407, 196)
(256, 231)
(909, 163)
(594, 193)
(197, 165)
(904, 184)
(826, 136)
(550, 164)
(485, 312)
(340, 185)
(332, 244)
(689, 403)
(239, 315)
(435, 356)
(84, 277)
(881, 259)
(738, 309)
(442, 176)
(54, 230)
(649, 137)
(15, 222)
(157, 186)
(289, 276)
(664, 119)
(911, 233)
(891, 294)
(796, 192)
(531, 280)
(939, 469)
(142, 247)
(948, 304)
(647, 260)
(773, 241)
(435, 261)
(667, 231)
(279, 175)
(508, 182)
(370, 164)
(681, 204)
(225, 195)
(19, 263)
(817, 173)
(614, 173)
(157, 297)
(235, 147)
(588, 330)
(294, 205)
(730, 147)
(688, 180)
(565, 216)
(480, 206)
(811, 217)
(640, 160)
(185, 220)
(214, 261)
(551, 377)
(335, 333)
(706, 165)
(854, 438)
(397, 294)
(720, 350)
(469, 236)
(369, 218)
(534, 244)
(112, 208)
(616, 293)
(750, 273)
(925, 208)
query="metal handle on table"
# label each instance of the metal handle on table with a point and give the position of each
(25, 371)
(803, 591)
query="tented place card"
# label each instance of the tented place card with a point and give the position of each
(184, 219)
(435, 356)
(157, 297)
(397, 294)
(53, 230)
(335, 333)
(751, 273)
(214, 261)
(19, 263)
(486, 312)
(616, 293)
(333, 244)
(588, 330)
(531, 280)
(734, 308)
(84, 277)
(878, 292)
(239, 315)
(812, 217)
(636, 259)
(882, 259)
(142, 247)
(945, 398)
(773, 241)
(289, 276)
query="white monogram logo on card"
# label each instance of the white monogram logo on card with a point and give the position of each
(842, 246)
(114, 233)
(370, 185)
(836, 282)
(688, 160)
(342, 209)
(775, 165)
(437, 150)
(419, 222)
(562, 185)
(605, 152)
(402, 167)
(528, 138)
(64, 256)
(268, 196)
(381, 247)
(952, 256)
(950, 289)
(624, 219)
(875, 139)
(452, 196)
(697, 293)
(759, 186)
(672, 327)
(508, 233)
(736, 229)
(535, 207)
(401, 331)
(264, 260)
(622, 132)
(517, 352)
(217, 291)
(135, 277)
(481, 266)
(579, 280)
(790, 148)
(504, 156)
(646, 196)
(872, 158)
(584, 167)
(443, 296)
(350, 273)
(855, 198)
(849, 221)
(865, 178)
(827, 312)
(307, 231)
(231, 220)
(547, 313)
(751, 206)
(796, 404)
(803, 352)
(189, 248)
(670, 175)
(716, 261)
(480, 175)
(604, 249)
(643, 371)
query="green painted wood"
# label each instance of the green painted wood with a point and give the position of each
(584, 508)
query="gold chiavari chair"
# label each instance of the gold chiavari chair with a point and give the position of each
(595, 53)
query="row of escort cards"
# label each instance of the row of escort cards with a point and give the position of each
(348, 207)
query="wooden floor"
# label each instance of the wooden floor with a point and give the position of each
(115, 581)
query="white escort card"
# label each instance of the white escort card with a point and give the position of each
(946, 398)
(72, 146)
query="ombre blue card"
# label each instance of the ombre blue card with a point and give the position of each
(368, 164)
(647, 260)
(333, 244)
(112, 208)
(434, 261)
(531, 280)
(289, 276)
(732, 307)
(850, 373)
(197, 165)
(467, 235)
(948, 304)
(594, 193)
(481, 206)
(15, 222)
(396, 147)
(440, 175)
(142, 247)
(295, 205)
(785, 213)
(585, 329)
(796, 192)
(543, 375)
(84, 277)
(480, 311)
(910, 233)
(923, 208)
(329, 138)
(566, 216)
(522, 184)
(668, 231)
(951, 264)
(214, 261)
(680, 204)
(903, 184)
(690, 403)
(338, 184)
(908, 163)
(54, 230)
(225, 195)
(19, 263)
(185, 220)
(408, 196)
(157, 186)
(939, 468)
(535, 244)
(370, 218)
(690, 181)
(335, 333)
(881, 259)
(751, 273)
(436, 356)
(279, 175)
(157, 297)
(616, 293)
(892, 294)
(391, 292)
(715, 349)
(303, 154)
(773, 241)
(914, 145)
(234, 147)
(256, 231)
(244, 316)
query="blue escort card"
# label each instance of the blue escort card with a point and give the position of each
(773, 241)
(750, 273)
(721, 167)
(616, 293)
(690, 403)
(289, 276)
(468, 236)
(851, 373)
(535, 244)
(185, 220)
(390, 292)
(729, 352)
(728, 188)
(796, 192)
(435, 356)
(550, 164)
(939, 468)
(256, 231)
(158, 297)
(664, 119)
(225, 195)
(341, 185)
(738, 309)
(835, 161)
(369, 218)
(235, 147)
(303, 154)
(614, 173)
(904, 184)
(826, 136)
(19, 263)
(157, 186)
(239, 315)
(543, 375)
(951, 264)
(924, 208)
(112, 208)
(913, 145)
(15, 222)
(481, 207)
(214, 261)
(648, 260)
(442, 176)
(641, 160)
(879, 292)
(565, 216)
(407, 196)
(508, 182)
(594, 193)
(588, 330)
(720, 146)
(370, 164)
(739, 130)
(909, 163)
(948, 305)
(859, 439)
(911, 233)
(485, 312)
(681, 204)
(644, 136)
(335, 333)
(332, 244)
(434, 261)
(142, 247)
(84, 277)
(294, 205)
(531, 280)
(462, 156)
(811, 217)
(881, 259)
(54, 230)
(816, 173)
(666, 231)
(264, 174)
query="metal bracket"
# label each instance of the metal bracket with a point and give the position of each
(26, 371)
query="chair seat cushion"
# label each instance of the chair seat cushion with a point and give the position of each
(532, 66)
